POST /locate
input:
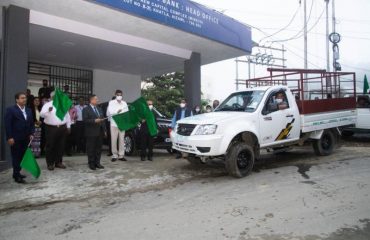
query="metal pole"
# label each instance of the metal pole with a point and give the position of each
(249, 68)
(327, 37)
(305, 84)
(334, 22)
(305, 35)
(283, 56)
(237, 75)
(334, 60)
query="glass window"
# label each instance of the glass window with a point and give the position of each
(246, 101)
(277, 101)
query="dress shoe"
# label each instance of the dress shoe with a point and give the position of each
(142, 158)
(19, 180)
(150, 158)
(122, 159)
(114, 159)
(92, 167)
(99, 166)
(50, 168)
(22, 176)
(60, 165)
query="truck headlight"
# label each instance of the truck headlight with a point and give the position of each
(206, 129)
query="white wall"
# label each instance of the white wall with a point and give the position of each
(105, 83)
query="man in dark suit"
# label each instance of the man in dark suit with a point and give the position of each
(146, 140)
(95, 131)
(19, 127)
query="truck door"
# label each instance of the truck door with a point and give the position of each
(278, 120)
(363, 112)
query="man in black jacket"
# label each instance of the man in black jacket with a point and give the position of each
(95, 131)
(146, 140)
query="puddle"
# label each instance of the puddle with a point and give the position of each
(303, 169)
(309, 182)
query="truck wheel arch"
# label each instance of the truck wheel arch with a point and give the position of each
(249, 138)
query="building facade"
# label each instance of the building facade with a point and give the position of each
(98, 46)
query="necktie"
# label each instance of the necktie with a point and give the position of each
(96, 112)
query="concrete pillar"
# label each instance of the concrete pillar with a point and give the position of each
(14, 63)
(193, 80)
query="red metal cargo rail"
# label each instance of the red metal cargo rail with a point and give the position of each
(315, 90)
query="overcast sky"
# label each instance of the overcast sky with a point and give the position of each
(353, 23)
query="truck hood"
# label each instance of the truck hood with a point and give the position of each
(213, 117)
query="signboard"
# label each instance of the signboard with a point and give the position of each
(190, 17)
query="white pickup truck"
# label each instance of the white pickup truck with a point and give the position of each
(264, 117)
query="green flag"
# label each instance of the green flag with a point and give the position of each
(29, 163)
(126, 120)
(138, 110)
(366, 85)
(62, 103)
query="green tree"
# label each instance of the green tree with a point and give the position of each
(166, 91)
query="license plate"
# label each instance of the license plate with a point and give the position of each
(180, 138)
(167, 140)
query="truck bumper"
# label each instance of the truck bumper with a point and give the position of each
(200, 145)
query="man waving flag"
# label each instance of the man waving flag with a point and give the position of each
(138, 111)
(62, 103)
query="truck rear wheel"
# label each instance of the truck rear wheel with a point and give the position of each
(325, 145)
(239, 160)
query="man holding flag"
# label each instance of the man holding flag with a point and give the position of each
(117, 106)
(19, 127)
(57, 124)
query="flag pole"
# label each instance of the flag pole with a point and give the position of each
(31, 139)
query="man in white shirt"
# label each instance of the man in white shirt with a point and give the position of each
(79, 126)
(117, 106)
(55, 135)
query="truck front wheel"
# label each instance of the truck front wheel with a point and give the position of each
(325, 145)
(239, 160)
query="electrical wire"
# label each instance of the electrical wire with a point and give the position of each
(294, 53)
(300, 34)
(285, 27)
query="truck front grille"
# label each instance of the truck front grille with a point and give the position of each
(185, 129)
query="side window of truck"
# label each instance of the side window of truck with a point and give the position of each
(277, 101)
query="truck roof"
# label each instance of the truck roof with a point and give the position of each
(262, 88)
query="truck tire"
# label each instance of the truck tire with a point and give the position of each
(325, 145)
(193, 160)
(239, 160)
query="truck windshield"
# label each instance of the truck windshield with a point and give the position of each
(246, 101)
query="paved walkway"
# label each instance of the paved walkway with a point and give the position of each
(78, 182)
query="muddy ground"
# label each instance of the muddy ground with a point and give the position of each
(294, 195)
